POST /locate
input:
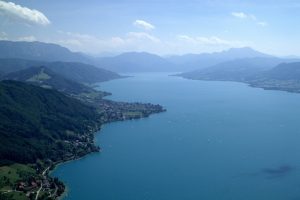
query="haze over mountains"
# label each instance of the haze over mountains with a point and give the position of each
(137, 62)
(235, 70)
(191, 62)
(75, 71)
(126, 62)
(285, 76)
(39, 51)
(44, 77)
(146, 62)
(285, 71)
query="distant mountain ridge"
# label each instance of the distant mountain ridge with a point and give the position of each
(284, 71)
(136, 62)
(79, 72)
(189, 62)
(146, 62)
(128, 62)
(60, 59)
(48, 52)
(39, 51)
(266, 73)
(44, 77)
(285, 77)
(235, 70)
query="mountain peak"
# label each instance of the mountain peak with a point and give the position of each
(137, 53)
(241, 49)
(243, 52)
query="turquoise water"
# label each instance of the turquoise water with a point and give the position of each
(217, 141)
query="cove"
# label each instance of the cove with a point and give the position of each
(217, 141)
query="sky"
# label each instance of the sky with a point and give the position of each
(163, 27)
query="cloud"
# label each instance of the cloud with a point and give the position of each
(213, 40)
(240, 15)
(143, 41)
(202, 44)
(243, 16)
(263, 24)
(29, 38)
(143, 24)
(5, 36)
(17, 12)
(143, 36)
(132, 41)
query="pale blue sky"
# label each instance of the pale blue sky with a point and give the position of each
(162, 27)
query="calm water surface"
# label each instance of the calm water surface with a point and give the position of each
(217, 141)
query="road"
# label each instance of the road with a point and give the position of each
(39, 190)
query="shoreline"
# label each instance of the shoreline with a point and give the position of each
(56, 165)
(67, 189)
(249, 84)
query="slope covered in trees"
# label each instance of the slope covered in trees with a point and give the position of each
(35, 122)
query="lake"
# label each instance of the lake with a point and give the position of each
(217, 141)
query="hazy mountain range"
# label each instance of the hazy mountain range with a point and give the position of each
(136, 62)
(44, 77)
(126, 62)
(75, 71)
(191, 62)
(39, 51)
(236, 70)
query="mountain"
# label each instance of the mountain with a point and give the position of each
(8, 65)
(39, 51)
(266, 73)
(126, 62)
(79, 72)
(38, 123)
(83, 73)
(46, 52)
(236, 70)
(191, 62)
(284, 71)
(44, 77)
(136, 62)
(285, 76)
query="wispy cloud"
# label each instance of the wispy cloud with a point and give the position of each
(240, 15)
(17, 12)
(29, 38)
(143, 41)
(5, 36)
(263, 24)
(143, 36)
(244, 16)
(92, 44)
(212, 40)
(143, 24)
